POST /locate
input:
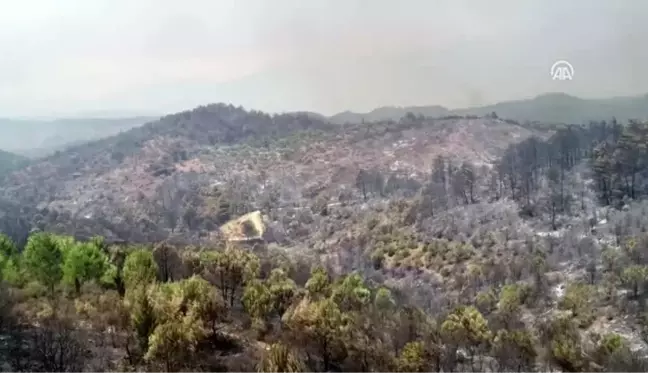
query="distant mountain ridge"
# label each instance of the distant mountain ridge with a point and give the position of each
(10, 162)
(35, 138)
(389, 112)
(546, 108)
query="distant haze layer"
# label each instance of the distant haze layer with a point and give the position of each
(36, 138)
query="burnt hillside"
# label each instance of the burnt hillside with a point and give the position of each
(150, 180)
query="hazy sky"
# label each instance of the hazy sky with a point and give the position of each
(72, 56)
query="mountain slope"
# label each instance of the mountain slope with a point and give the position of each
(10, 162)
(548, 108)
(190, 172)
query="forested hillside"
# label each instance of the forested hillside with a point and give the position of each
(72, 306)
(239, 240)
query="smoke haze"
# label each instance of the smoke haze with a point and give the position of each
(71, 56)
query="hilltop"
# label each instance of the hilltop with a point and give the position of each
(37, 138)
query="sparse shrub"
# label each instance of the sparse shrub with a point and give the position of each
(386, 229)
(578, 299)
(486, 301)
(400, 255)
(378, 259)
(372, 223)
